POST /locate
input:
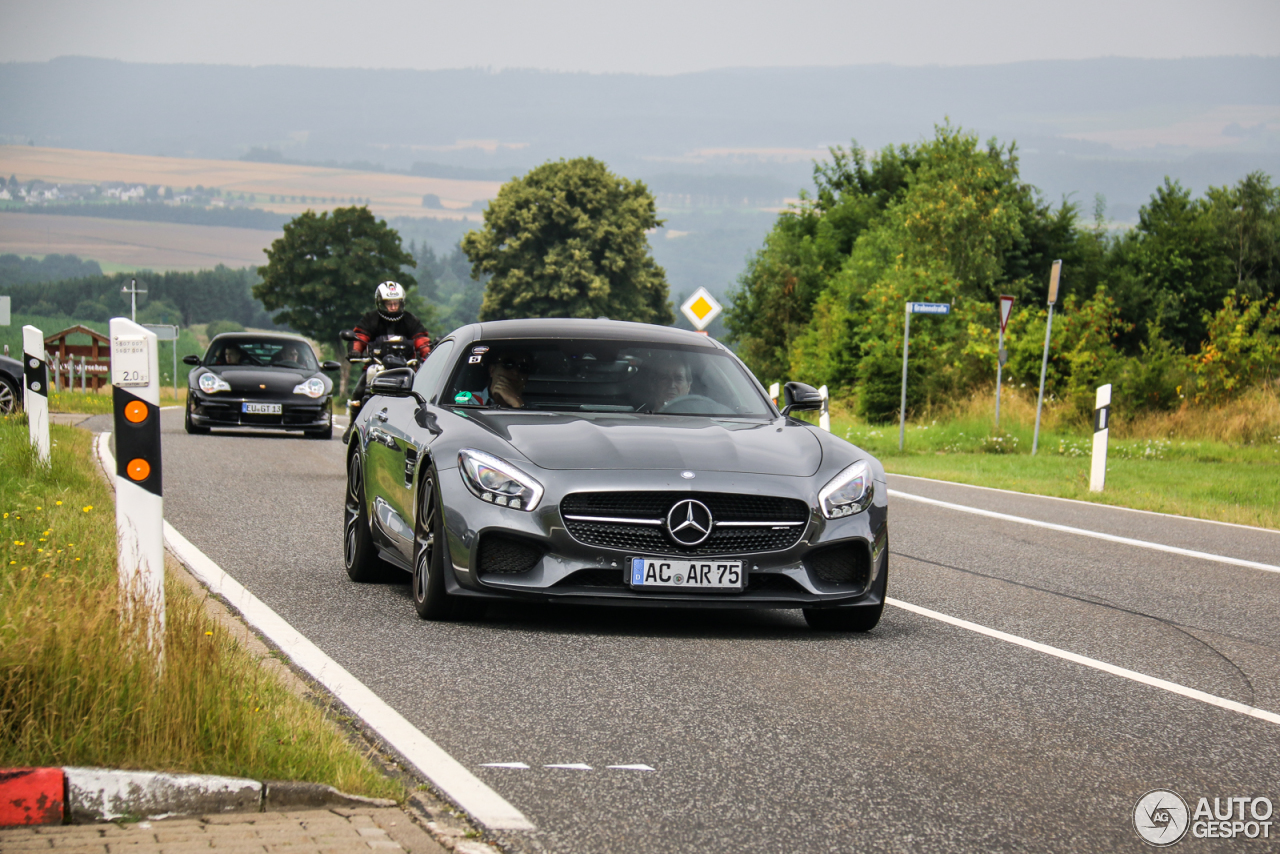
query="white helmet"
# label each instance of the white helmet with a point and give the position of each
(390, 292)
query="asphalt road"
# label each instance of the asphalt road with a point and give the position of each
(766, 736)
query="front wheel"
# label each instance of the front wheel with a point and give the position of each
(10, 398)
(430, 599)
(191, 426)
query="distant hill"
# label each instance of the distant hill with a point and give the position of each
(1208, 120)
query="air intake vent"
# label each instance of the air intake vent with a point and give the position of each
(847, 566)
(503, 555)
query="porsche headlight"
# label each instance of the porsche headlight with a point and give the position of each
(313, 387)
(497, 481)
(209, 383)
(849, 492)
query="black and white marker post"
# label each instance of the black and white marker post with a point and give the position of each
(824, 417)
(1101, 429)
(135, 380)
(35, 390)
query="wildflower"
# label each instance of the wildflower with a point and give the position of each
(208, 633)
(58, 503)
(87, 508)
(39, 508)
(19, 543)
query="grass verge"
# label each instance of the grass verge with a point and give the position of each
(77, 684)
(99, 403)
(1221, 464)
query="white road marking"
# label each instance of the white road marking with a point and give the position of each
(1096, 504)
(1097, 535)
(449, 775)
(576, 766)
(517, 765)
(631, 768)
(1172, 687)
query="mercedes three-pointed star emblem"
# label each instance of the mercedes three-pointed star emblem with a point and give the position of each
(689, 522)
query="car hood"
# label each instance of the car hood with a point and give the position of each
(560, 441)
(276, 380)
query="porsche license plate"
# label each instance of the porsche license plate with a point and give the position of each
(262, 408)
(671, 573)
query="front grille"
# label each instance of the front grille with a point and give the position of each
(846, 565)
(620, 507)
(507, 555)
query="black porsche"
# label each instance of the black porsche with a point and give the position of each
(260, 380)
(610, 463)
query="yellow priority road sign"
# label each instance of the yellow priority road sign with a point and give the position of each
(701, 309)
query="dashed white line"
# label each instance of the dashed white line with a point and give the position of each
(1142, 678)
(1097, 535)
(631, 768)
(572, 766)
(519, 766)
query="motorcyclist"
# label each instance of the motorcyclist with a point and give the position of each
(389, 317)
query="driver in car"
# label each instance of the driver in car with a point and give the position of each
(667, 377)
(508, 372)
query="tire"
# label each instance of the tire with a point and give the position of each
(192, 428)
(358, 552)
(324, 435)
(10, 397)
(430, 599)
(859, 619)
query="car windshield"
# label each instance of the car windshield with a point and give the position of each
(604, 376)
(262, 352)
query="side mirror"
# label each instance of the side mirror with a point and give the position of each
(798, 397)
(397, 382)
(190, 360)
(330, 365)
(347, 335)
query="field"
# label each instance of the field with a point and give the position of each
(133, 245)
(390, 195)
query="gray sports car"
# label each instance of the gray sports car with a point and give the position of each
(609, 463)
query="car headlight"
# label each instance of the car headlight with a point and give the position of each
(313, 387)
(497, 481)
(849, 492)
(209, 383)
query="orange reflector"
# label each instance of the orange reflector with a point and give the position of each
(135, 411)
(138, 469)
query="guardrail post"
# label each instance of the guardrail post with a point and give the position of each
(35, 390)
(135, 380)
(1101, 430)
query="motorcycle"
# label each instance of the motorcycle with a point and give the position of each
(383, 354)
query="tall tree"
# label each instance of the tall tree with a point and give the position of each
(320, 276)
(568, 240)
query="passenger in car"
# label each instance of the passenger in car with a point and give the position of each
(666, 377)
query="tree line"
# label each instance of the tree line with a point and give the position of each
(1184, 304)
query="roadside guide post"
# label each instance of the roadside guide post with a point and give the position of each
(168, 332)
(701, 308)
(773, 393)
(913, 308)
(824, 419)
(35, 390)
(1101, 430)
(1002, 355)
(1055, 276)
(139, 504)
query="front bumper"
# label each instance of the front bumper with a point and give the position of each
(215, 411)
(571, 571)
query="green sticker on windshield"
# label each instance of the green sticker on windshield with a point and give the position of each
(462, 397)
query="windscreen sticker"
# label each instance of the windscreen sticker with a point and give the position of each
(462, 397)
(480, 350)
(474, 360)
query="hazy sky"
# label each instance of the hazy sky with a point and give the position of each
(648, 36)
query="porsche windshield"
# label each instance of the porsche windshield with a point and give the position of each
(262, 353)
(604, 376)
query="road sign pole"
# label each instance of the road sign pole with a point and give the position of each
(35, 390)
(1055, 276)
(902, 411)
(999, 371)
(135, 380)
(1101, 430)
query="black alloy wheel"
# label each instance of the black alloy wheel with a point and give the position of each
(430, 599)
(358, 552)
(10, 399)
(862, 619)
(189, 424)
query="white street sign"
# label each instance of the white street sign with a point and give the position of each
(701, 309)
(4, 311)
(1006, 309)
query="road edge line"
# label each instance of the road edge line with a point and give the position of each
(1097, 535)
(1088, 503)
(466, 790)
(1114, 670)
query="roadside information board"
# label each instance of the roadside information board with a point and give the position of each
(130, 361)
(929, 308)
(701, 309)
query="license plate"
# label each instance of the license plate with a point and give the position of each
(262, 408)
(671, 573)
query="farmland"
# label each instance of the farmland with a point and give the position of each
(389, 194)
